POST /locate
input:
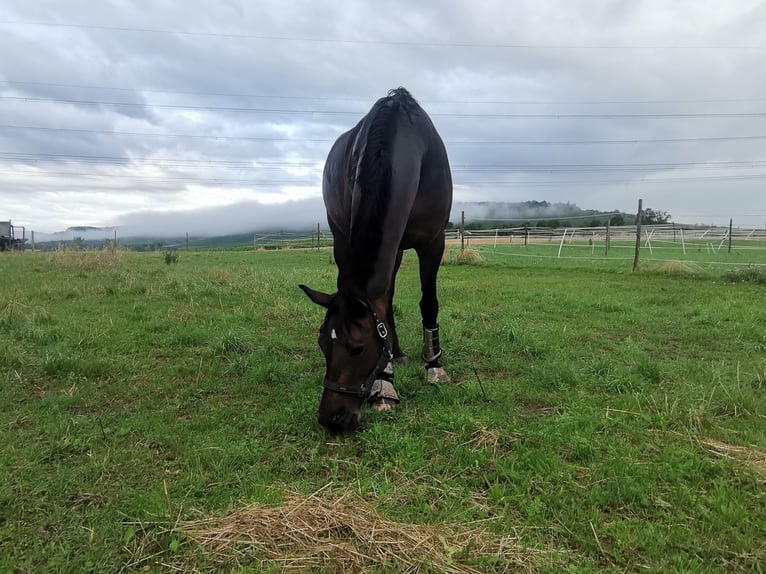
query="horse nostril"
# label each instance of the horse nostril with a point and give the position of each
(341, 420)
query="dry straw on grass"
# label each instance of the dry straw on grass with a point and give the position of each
(751, 456)
(86, 260)
(676, 267)
(465, 256)
(346, 534)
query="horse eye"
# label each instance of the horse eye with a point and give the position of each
(354, 351)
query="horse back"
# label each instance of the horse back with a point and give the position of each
(387, 185)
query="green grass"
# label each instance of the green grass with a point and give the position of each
(587, 412)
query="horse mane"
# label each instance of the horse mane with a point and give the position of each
(373, 183)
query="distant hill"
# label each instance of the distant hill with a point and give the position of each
(492, 214)
(477, 215)
(85, 232)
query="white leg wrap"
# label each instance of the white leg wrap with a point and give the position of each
(383, 396)
(431, 349)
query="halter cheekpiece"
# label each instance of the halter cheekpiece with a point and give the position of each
(365, 389)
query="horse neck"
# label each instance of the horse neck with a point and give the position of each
(380, 303)
(379, 197)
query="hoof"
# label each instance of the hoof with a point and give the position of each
(435, 375)
(402, 360)
(383, 404)
(384, 397)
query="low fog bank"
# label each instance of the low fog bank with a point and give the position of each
(255, 217)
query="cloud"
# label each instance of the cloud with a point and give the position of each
(241, 217)
(236, 102)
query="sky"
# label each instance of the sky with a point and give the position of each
(216, 117)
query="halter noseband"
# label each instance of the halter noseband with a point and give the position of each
(365, 389)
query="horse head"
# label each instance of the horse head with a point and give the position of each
(356, 348)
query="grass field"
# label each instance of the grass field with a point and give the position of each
(598, 420)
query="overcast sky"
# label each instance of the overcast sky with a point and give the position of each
(210, 117)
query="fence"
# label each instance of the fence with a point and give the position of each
(667, 242)
(307, 239)
(669, 232)
(664, 242)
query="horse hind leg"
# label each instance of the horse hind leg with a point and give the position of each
(432, 353)
(430, 259)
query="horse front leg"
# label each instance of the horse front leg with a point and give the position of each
(399, 356)
(384, 396)
(430, 258)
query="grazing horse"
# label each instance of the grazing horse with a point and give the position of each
(387, 187)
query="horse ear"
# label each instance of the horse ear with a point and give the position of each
(323, 299)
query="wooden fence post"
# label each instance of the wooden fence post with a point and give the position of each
(606, 243)
(731, 222)
(462, 230)
(638, 233)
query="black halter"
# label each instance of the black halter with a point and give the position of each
(386, 357)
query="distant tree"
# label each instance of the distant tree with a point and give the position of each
(157, 245)
(594, 223)
(77, 244)
(655, 216)
(618, 219)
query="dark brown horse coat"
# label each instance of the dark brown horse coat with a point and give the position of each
(387, 187)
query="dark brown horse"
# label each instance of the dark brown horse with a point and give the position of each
(387, 187)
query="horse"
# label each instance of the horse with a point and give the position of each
(387, 187)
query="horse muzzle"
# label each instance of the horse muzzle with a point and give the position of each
(340, 418)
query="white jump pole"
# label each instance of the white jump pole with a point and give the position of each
(563, 237)
(649, 241)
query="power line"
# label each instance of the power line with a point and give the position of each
(619, 167)
(553, 116)
(346, 99)
(622, 182)
(449, 141)
(326, 40)
(185, 162)
(149, 134)
(268, 164)
(166, 179)
(197, 93)
(503, 184)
